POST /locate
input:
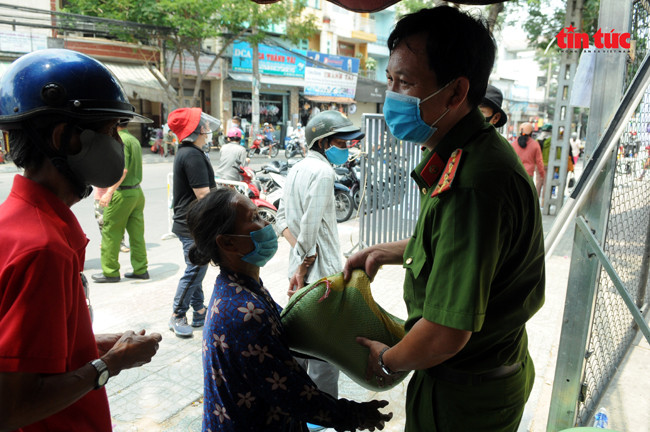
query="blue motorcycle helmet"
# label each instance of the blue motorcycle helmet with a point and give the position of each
(62, 82)
(53, 86)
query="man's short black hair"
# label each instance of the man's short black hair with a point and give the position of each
(26, 143)
(457, 44)
(24, 152)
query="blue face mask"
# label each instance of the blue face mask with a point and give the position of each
(266, 245)
(336, 155)
(402, 115)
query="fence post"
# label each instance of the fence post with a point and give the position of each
(170, 208)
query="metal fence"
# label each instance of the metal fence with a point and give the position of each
(627, 244)
(390, 202)
(606, 308)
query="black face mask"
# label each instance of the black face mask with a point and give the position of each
(522, 140)
(489, 119)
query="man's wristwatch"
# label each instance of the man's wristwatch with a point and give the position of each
(383, 367)
(102, 373)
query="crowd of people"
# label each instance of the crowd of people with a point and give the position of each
(473, 268)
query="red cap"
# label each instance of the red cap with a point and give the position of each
(184, 121)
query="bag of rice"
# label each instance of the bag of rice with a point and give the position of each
(324, 318)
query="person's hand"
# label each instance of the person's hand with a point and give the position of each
(106, 341)
(370, 418)
(297, 281)
(105, 200)
(131, 350)
(365, 260)
(373, 369)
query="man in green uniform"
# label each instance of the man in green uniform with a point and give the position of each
(124, 202)
(475, 263)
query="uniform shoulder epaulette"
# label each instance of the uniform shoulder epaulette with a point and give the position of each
(449, 173)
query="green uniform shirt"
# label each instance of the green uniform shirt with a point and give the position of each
(132, 159)
(546, 147)
(476, 259)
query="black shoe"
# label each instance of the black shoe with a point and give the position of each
(132, 275)
(100, 278)
(198, 319)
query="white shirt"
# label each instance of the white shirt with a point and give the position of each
(307, 209)
(575, 146)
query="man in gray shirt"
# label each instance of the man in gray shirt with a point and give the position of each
(232, 156)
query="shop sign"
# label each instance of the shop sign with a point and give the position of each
(327, 82)
(323, 81)
(347, 64)
(22, 42)
(272, 60)
(189, 68)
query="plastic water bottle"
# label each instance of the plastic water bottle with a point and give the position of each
(601, 420)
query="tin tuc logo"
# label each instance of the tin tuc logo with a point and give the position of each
(568, 38)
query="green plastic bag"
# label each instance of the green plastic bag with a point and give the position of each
(324, 318)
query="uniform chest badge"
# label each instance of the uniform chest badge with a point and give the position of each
(449, 173)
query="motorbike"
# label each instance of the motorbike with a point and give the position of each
(294, 145)
(343, 202)
(264, 146)
(265, 209)
(156, 141)
(349, 175)
(273, 185)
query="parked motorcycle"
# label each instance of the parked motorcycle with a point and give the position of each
(294, 145)
(273, 175)
(274, 179)
(156, 141)
(349, 175)
(265, 209)
(264, 146)
(343, 202)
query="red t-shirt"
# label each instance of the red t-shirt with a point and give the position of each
(44, 319)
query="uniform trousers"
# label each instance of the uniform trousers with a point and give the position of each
(436, 405)
(125, 211)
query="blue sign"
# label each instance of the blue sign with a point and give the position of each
(272, 60)
(346, 64)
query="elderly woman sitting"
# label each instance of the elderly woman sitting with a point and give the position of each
(251, 380)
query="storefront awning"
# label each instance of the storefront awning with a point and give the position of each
(330, 99)
(139, 82)
(269, 79)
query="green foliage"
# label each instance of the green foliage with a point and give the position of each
(543, 22)
(371, 64)
(194, 21)
(406, 7)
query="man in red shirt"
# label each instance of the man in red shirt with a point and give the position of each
(61, 109)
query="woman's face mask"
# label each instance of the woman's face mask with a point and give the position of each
(266, 245)
(402, 115)
(101, 159)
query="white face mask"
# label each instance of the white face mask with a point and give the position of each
(101, 159)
